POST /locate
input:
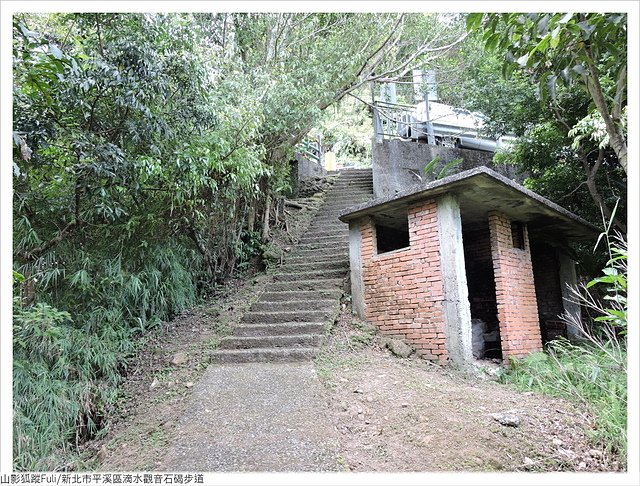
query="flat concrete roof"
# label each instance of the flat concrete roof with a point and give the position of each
(479, 191)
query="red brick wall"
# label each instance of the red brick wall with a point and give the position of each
(515, 290)
(403, 288)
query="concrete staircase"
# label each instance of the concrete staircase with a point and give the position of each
(290, 318)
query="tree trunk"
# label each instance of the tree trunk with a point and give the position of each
(204, 251)
(251, 218)
(616, 137)
(265, 219)
(595, 194)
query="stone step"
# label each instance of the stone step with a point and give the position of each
(329, 219)
(318, 258)
(301, 295)
(329, 248)
(288, 267)
(280, 329)
(335, 211)
(284, 305)
(322, 232)
(339, 207)
(318, 285)
(347, 198)
(326, 237)
(348, 193)
(328, 222)
(298, 256)
(354, 173)
(362, 185)
(327, 241)
(319, 226)
(352, 177)
(263, 355)
(278, 341)
(320, 246)
(251, 317)
(310, 272)
(291, 317)
(341, 252)
(339, 249)
(312, 255)
(341, 234)
(360, 182)
(349, 190)
(346, 201)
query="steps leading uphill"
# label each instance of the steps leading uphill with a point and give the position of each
(290, 318)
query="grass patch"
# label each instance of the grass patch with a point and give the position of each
(594, 375)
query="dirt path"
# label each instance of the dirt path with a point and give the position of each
(389, 414)
(398, 414)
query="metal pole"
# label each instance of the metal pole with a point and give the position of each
(431, 139)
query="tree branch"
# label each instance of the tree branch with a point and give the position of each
(35, 253)
(616, 137)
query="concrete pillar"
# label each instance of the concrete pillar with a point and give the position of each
(567, 274)
(457, 311)
(355, 263)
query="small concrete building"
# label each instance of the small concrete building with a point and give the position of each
(474, 253)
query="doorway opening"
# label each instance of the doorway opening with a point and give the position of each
(485, 327)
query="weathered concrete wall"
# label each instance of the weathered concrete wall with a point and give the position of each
(355, 263)
(403, 289)
(515, 290)
(457, 313)
(302, 168)
(307, 168)
(397, 164)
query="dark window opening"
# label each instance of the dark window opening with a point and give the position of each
(517, 235)
(390, 238)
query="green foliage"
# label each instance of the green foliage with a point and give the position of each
(594, 371)
(554, 48)
(560, 146)
(443, 170)
(63, 378)
(611, 310)
(346, 129)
